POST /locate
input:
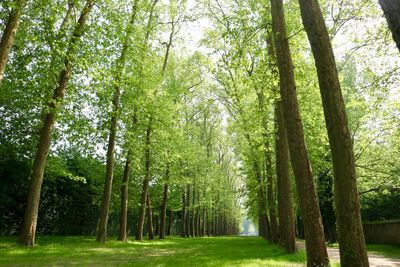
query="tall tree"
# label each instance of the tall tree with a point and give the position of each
(119, 70)
(149, 214)
(164, 203)
(391, 9)
(315, 241)
(284, 187)
(9, 34)
(146, 180)
(28, 230)
(350, 232)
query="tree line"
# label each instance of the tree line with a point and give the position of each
(193, 135)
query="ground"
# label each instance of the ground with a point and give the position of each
(212, 251)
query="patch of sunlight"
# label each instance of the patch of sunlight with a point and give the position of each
(103, 250)
(263, 262)
(153, 243)
(16, 252)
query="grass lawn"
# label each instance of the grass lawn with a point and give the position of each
(385, 250)
(85, 251)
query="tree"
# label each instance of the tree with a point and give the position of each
(391, 9)
(27, 235)
(120, 65)
(9, 34)
(350, 232)
(285, 194)
(314, 232)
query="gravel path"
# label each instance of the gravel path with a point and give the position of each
(375, 260)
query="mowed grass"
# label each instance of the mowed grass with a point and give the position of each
(174, 251)
(385, 250)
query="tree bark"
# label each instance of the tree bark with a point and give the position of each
(146, 180)
(315, 241)
(8, 36)
(193, 212)
(183, 229)
(188, 211)
(391, 9)
(149, 215)
(285, 194)
(164, 205)
(124, 201)
(350, 232)
(271, 197)
(28, 230)
(105, 203)
(170, 222)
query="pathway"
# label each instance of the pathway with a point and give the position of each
(375, 260)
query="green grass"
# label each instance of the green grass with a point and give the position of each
(385, 250)
(85, 251)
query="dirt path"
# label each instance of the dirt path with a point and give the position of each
(375, 260)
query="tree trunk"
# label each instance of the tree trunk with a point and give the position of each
(262, 220)
(188, 211)
(9, 34)
(314, 232)
(157, 225)
(204, 218)
(391, 9)
(285, 194)
(270, 197)
(146, 180)
(183, 229)
(28, 230)
(105, 203)
(170, 222)
(149, 214)
(263, 223)
(164, 204)
(124, 201)
(193, 212)
(350, 232)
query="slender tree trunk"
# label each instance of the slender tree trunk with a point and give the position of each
(204, 216)
(315, 239)
(183, 230)
(28, 230)
(105, 203)
(263, 222)
(391, 9)
(146, 180)
(164, 204)
(149, 215)
(188, 211)
(285, 194)
(8, 36)
(271, 197)
(157, 225)
(124, 201)
(350, 232)
(193, 211)
(171, 222)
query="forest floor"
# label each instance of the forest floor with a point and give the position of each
(174, 251)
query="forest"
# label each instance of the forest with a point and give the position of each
(143, 128)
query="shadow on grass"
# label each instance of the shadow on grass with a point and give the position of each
(208, 251)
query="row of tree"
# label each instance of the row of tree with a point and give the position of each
(256, 81)
(97, 89)
(121, 81)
